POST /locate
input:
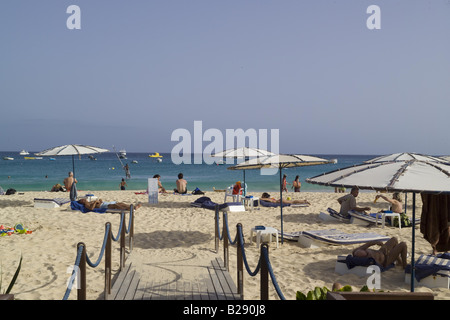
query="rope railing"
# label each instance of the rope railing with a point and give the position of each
(264, 267)
(82, 259)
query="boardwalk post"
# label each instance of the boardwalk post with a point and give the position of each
(130, 244)
(240, 262)
(122, 242)
(216, 228)
(264, 280)
(108, 260)
(225, 243)
(81, 277)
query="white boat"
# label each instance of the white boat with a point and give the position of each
(122, 154)
(24, 153)
(8, 158)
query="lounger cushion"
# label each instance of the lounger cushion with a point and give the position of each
(428, 265)
(271, 204)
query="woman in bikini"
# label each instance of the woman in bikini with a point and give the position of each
(387, 254)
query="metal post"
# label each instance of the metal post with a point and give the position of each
(226, 255)
(81, 277)
(108, 260)
(240, 262)
(264, 280)
(413, 264)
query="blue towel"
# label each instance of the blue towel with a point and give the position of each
(206, 203)
(352, 262)
(78, 206)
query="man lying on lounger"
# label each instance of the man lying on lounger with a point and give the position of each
(99, 203)
(387, 254)
(266, 197)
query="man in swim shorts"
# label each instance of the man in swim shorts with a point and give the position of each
(348, 202)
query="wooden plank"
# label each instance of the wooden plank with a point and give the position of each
(132, 289)
(125, 285)
(119, 282)
(225, 288)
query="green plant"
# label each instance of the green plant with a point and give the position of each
(13, 280)
(319, 293)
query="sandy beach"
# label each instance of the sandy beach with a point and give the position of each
(173, 231)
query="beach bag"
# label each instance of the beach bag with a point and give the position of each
(10, 191)
(197, 191)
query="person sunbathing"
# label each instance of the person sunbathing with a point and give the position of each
(266, 197)
(99, 203)
(387, 254)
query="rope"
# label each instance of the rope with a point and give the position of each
(265, 253)
(102, 251)
(244, 257)
(120, 228)
(77, 264)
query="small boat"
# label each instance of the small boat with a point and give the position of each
(159, 159)
(122, 154)
(29, 158)
(134, 161)
(8, 158)
(24, 153)
(52, 159)
(92, 157)
(155, 155)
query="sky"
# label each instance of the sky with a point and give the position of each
(136, 71)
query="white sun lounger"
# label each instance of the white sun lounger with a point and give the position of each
(50, 203)
(439, 279)
(320, 238)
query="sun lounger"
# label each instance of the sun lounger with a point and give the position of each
(431, 271)
(320, 238)
(361, 218)
(273, 205)
(333, 216)
(50, 203)
(355, 265)
(206, 203)
(291, 236)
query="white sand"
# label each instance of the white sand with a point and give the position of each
(173, 231)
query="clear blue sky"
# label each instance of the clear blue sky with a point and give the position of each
(138, 70)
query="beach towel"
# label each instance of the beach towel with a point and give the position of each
(78, 206)
(434, 221)
(206, 203)
(428, 265)
(352, 262)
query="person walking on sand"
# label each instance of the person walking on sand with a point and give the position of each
(348, 202)
(296, 184)
(284, 183)
(123, 184)
(69, 181)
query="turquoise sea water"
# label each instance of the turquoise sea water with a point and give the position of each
(106, 172)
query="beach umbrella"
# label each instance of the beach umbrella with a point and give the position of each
(404, 156)
(279, 162)
(416, 174)
(71, 150)
(244, 153)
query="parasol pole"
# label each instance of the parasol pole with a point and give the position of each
(413, 267)
(281, 205)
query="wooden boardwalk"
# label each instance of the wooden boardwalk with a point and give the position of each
(138, 282)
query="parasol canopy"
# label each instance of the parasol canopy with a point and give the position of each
(279, 162)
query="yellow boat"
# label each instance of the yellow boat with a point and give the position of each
(155, 155)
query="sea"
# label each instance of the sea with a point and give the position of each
(106, 172)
